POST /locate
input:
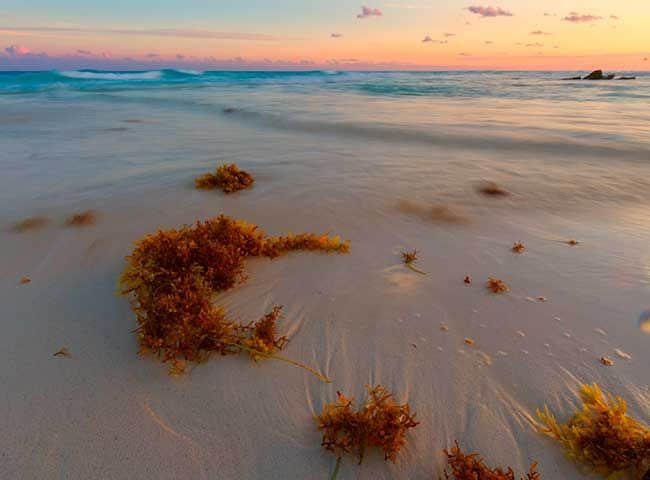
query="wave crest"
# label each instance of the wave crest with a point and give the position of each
(89, 75)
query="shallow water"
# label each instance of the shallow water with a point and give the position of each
(390, 161)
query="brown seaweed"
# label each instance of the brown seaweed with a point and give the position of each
(497, 286)
(229, 178)
(31, 223)
(379, 423)
(81, 219)
(491, 189)
(172, 275)
(601, 436)
(409, 259)
(62, 352)
(472, 467)
(518, 247)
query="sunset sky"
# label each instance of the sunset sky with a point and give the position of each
(280, 34)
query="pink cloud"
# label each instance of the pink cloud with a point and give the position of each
(428, 39)
(367, 12)
(576, 17)
(336, 35)
(84, 52)
(489, 11)
(17, 51)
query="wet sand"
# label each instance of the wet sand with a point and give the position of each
(361, 318)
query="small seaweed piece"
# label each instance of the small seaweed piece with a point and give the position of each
(31, 223)
(518, 247)
(172, 275)
(469, 341)
(229, 178)
(25, 280)
(472, 467)
(467, 280)
(379, 423)
(409, 259)
(62, 352)
(81, 219)
(608, 362)
(497, 286)
(492, 189)
(602, 436)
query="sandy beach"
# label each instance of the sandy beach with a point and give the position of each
(361, 318)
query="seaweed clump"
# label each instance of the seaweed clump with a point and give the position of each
(31, 223)
(518, 247)
(497, 286)
(81, 219)
(409, 259)
(172, 275)
(472, 467)
(379, 423)
(602, 436)
(492, 189)
(229, 178)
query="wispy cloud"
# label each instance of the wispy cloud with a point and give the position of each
(488, 42)
(546, 14)
(157, 32)
(539, 32)
(17, 51)
(535, 45)
(449, 34)
(367, 12)
(336, 35)
(428, 39)
(84, 52)
(576, 17)
(614, 17)
(489, 11)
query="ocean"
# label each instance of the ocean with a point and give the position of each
(561, 143)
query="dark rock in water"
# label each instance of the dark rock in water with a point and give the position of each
(229, 110)
(626, 78)
(573, 78)
(595, 75)
(598, 75)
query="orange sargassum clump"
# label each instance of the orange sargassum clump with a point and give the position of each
(173, 274)
(497, 286)
(602, 436)
(380, 422)
(31, 223)
(471, 467)
(229, 178)
(81, 219)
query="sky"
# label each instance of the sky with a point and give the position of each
(335, 34)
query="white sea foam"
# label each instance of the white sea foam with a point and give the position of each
(151, 75)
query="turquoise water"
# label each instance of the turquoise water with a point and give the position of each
(489, 84)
